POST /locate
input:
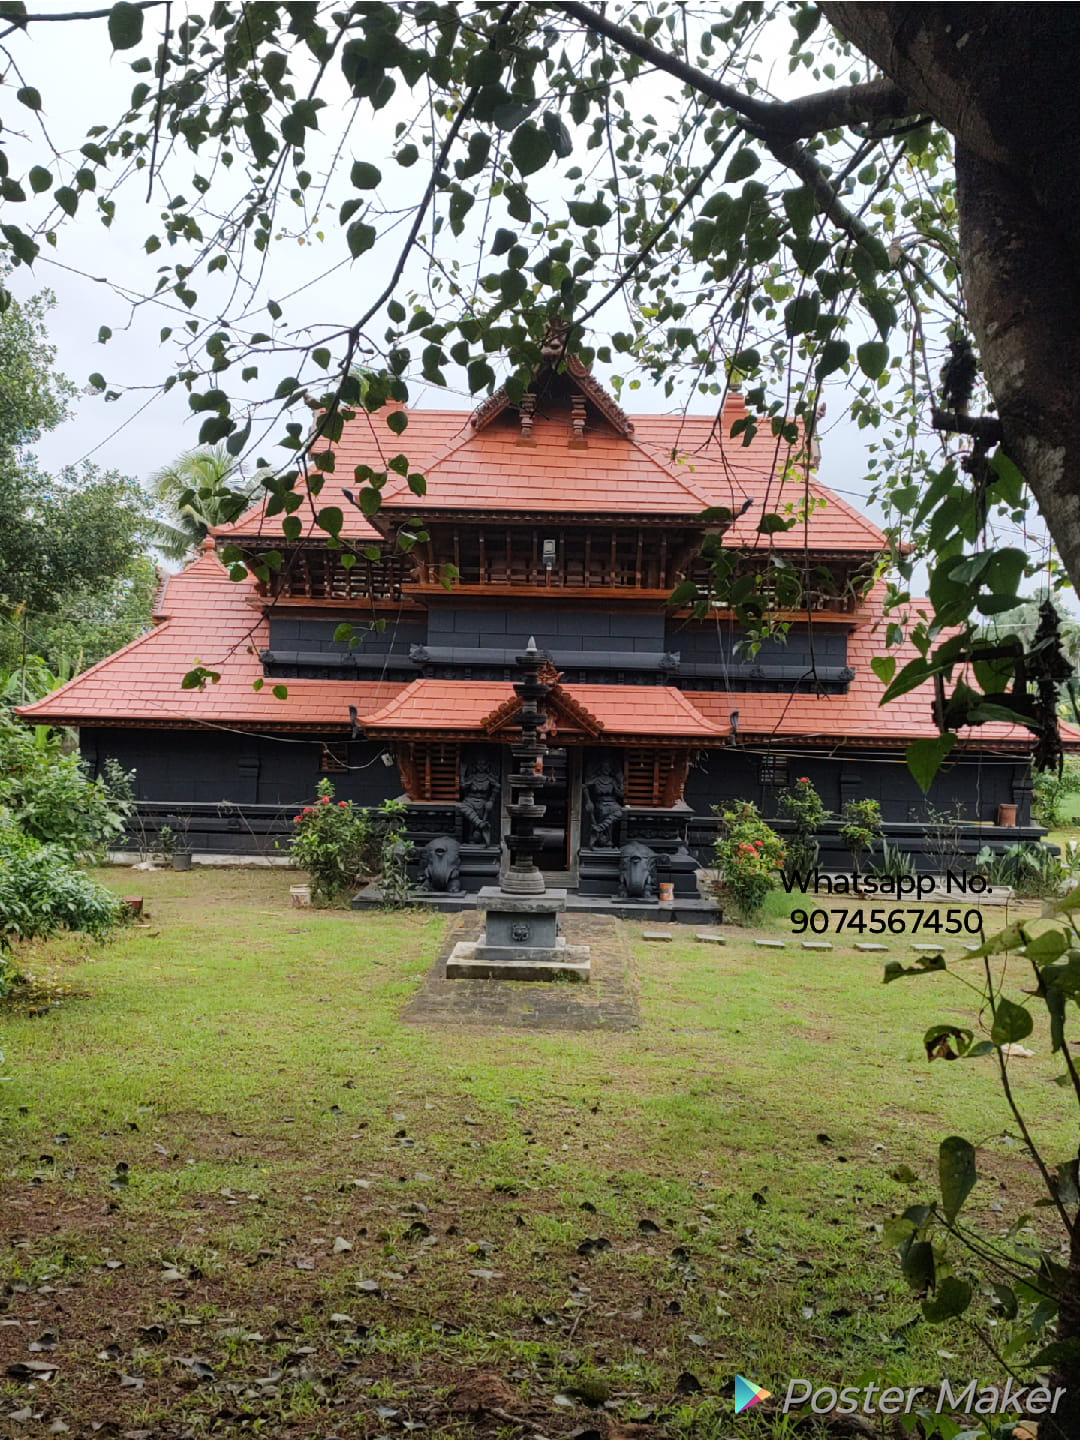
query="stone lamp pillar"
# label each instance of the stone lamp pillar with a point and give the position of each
(521, 938)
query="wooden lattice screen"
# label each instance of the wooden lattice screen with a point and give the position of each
(429, 770)
(654, 777)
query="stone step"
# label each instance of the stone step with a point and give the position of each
(771, 944)
(656, 934)
(711, 939)
(817, 944)
(865, 945)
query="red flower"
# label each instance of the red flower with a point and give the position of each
(324, 799)
(296, 819)
(342, 804)
(308, 810)
(803, 780)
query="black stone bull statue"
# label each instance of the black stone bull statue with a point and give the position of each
(637, 872)
(440, 869)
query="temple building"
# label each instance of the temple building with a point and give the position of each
(566, 522)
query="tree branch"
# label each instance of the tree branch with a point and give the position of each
(20, 22)
(792, 120)
(987, 428)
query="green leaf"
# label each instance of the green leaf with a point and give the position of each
(683, 594)
(951, 1298)
(359, 237)
(29, 97)
(397, 421)
(924, 965)
(40, 179)
(501, 241)
(925, 758)
(873, 356)
(1012, 1023)
(343, 632)
(743, 164)
(1046, 947)
(956, 1173)
(834, 354)
(774, 524)
(291, 527)
(330, 519)
(530, 148)
(800, 207)
(884, 667)
(917, 1263)
(125, 25)
(364, 176)
(802, 313)
(588, 213)
(280, 692)
(67, 199)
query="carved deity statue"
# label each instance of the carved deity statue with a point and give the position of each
(637, 872)
(440, 868)
(602, 793)
(479, 795)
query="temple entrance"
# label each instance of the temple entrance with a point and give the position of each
(560, 829)
(554, 829)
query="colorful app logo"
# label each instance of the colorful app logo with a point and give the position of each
(747, 1394)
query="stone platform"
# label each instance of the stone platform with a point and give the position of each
(608, 1002)
(521, 941)
(681, 911)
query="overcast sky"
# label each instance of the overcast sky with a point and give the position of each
(82, 83)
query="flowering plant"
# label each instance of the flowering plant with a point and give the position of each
(748, 854)
(802, 805)
(335, 844)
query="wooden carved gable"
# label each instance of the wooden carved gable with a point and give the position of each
(567, 718)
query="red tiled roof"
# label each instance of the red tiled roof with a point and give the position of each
(471, 706)
(205, 621)
(857, 716)
(491, 470)
(672, 464)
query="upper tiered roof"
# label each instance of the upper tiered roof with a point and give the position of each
(660, 467)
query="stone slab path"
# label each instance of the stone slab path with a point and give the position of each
(607, 1002)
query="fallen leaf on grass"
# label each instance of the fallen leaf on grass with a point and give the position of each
(32, 1369)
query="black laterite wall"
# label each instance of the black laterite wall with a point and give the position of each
(240, 791)
(977, 785)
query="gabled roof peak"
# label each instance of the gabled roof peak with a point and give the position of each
(557, 362)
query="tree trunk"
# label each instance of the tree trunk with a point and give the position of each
(1002, 80)
(1065, 1424)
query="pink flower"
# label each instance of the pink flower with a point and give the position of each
(342, 804)
(324, 799)
(308, 810)
(803, 780)
(296, 819)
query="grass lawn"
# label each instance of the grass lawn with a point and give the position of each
(241, 1196)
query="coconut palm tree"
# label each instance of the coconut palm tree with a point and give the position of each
(196, 493)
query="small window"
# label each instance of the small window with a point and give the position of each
(334, 758)
(774, 770)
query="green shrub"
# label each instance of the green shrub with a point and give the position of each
(860, 828)
(51, 798)
(1050, 790)
(42, 892)
(394, 852)
(1032, 870)
(803, 806)
(748, 856)
(336, 843)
